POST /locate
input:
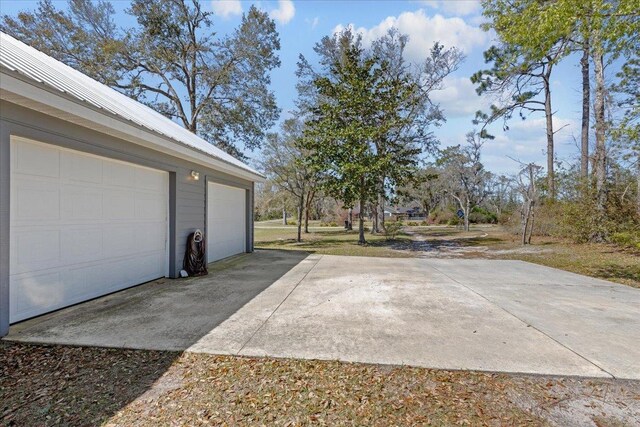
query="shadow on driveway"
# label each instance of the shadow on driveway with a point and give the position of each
(166, 314)
(57, 384)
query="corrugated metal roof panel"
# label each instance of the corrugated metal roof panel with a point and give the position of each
(31, 63)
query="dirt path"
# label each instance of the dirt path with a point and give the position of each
(442, 244)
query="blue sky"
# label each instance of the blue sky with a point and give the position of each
(301, 23)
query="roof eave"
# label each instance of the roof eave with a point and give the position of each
(15, 83)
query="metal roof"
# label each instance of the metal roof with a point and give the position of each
(41, 68)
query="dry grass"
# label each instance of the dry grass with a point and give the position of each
(45, 385)
(602, 261)
(327, 240)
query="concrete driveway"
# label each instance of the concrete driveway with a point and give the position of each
(490, 315)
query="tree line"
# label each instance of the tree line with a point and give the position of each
(367, 121)
(361, 137)
(533, 38)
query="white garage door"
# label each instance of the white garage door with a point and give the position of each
(226, 221)
(81, 226)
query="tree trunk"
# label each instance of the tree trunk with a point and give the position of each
(426, 209)
(300, 211)
(466, 216)
(361, 239)
(525, 221)
(381, 220)
(374, 218)
(532, 216)
(638, 184)
(586, 104)
(600, 170)
(284, 216)
(551, 181)
(307, 210)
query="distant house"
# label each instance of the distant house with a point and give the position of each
(411, 212)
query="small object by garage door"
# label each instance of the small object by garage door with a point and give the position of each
(195, 260)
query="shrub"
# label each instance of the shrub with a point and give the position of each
(479, 215)
(391, 229)
(443, 217)
(627, 238)
(424, 223)
(412, 224)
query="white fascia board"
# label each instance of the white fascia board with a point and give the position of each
(117, 127)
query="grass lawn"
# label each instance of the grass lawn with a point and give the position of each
(46, 385)
(603, 261)
(325, 240)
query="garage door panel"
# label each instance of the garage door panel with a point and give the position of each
(34, 250)
(81, 245)
(119, 204)
(117, 174)
(226, 221)
(36, 160)
(146, 235)
(35, 199)
(99, 227)
(80, 203)
(150, 206)
(80, 168)
(146, 179)
(31, 293)
(119, 241)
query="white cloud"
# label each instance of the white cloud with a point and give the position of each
(525, 141)
(456, 7)
(226, 8)
(458, 98)
(313, 22)
(285, 11)
(424, 31)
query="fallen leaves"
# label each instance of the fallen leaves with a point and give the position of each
(81, 386)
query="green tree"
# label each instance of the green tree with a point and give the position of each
(356, 105)
(401, 109)
(627, 131)
(606, 28)
(419, 114)
(171, 59)
(520, 75)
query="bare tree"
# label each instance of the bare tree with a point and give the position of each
(526, 185)
(500, 193)
(171, 58)
(523, 86)
(465, 176)
(283, 163)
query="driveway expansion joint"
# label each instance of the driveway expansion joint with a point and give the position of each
(526, 323)
(278, 306)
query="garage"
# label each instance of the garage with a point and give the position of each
(81, 226)
(99, 193)
(226, 221)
